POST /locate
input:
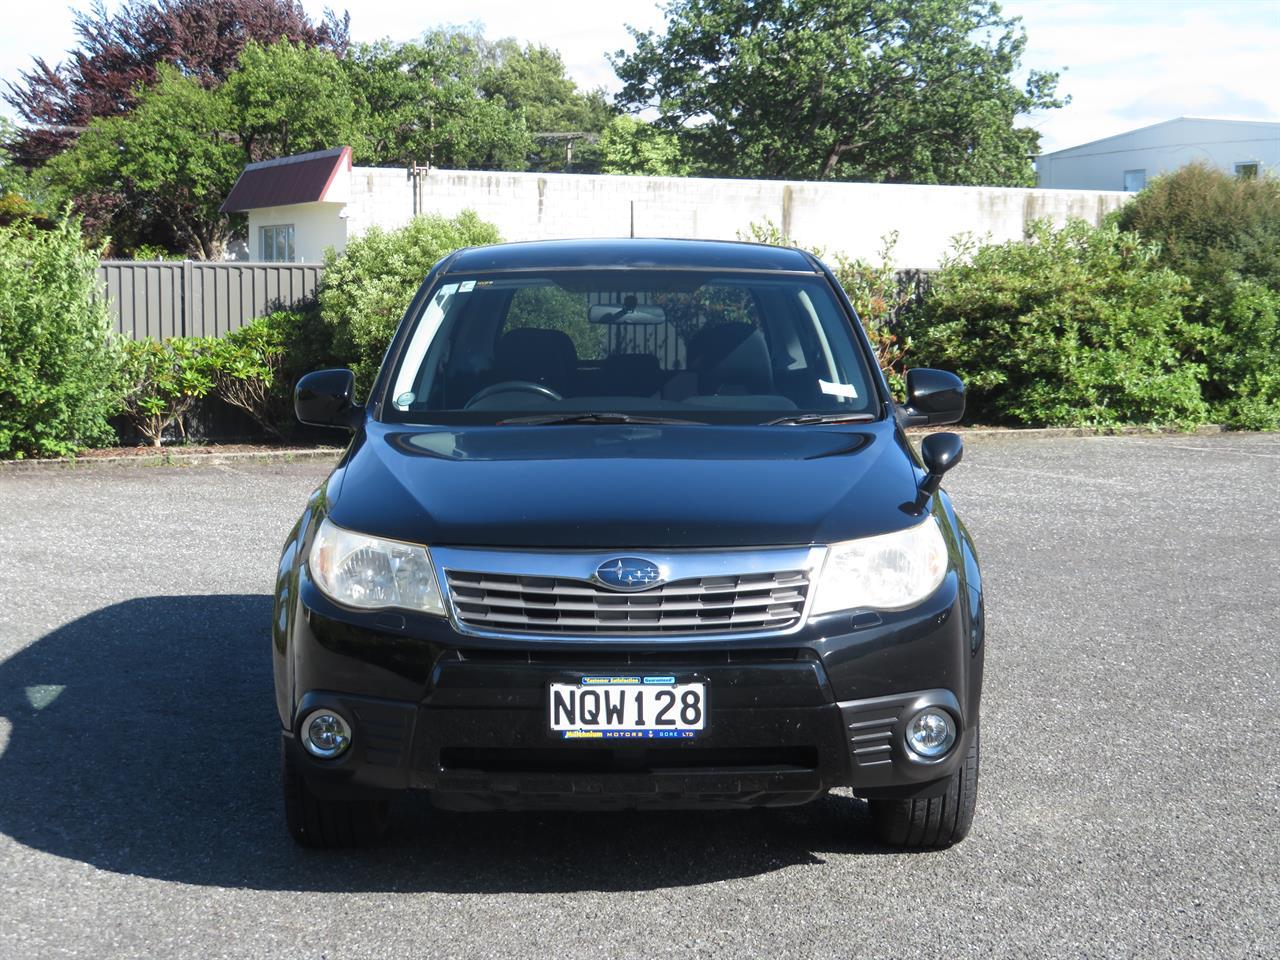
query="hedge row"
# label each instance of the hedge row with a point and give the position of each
(252, 369)
(65, 377)
(1168, 314)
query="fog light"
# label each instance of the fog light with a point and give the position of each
(931, 733)
(325, 734)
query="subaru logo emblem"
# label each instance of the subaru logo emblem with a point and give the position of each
(628, 573)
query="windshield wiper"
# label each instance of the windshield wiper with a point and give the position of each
(804, 419)
(544, 419)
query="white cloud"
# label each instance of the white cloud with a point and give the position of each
(1134, 63)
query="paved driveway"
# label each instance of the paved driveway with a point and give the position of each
(1130, 783)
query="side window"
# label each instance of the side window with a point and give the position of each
(547, 307)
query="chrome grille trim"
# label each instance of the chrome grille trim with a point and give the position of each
(549, 595)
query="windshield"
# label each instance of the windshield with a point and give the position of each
(675, 345)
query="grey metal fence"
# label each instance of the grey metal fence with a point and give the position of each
(190, 298)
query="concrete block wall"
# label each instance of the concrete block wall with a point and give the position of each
(380, 197)
(849, 218)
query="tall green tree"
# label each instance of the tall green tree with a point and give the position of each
(291, 98)
(632, 146)
(531, 80)
(905, 91)
(424, 103)
(157, 174)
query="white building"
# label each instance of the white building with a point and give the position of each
(299, 206)
(1247, 148)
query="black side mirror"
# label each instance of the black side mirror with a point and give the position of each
(934, 397)
(323, 399)
(940, 452)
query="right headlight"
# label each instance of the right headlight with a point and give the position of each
(372, 573)
(890, 572)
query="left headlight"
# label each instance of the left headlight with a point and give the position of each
(369, 572)
(890, 572)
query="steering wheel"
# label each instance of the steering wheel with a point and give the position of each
(512, 386)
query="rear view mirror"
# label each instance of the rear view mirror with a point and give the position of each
(933, 397)
(940, 452)
(629, 312)
(323, 399)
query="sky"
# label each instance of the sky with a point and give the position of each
(1125, 63)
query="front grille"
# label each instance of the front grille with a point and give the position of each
(721, 604)
(691, 655)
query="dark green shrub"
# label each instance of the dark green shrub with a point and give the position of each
(161, 379)
(367, 288)
(57, 362)
(246, 367)
(1211, 225)
(256, 367)
(1242, 350)
(1223, 233)
(1078, 326)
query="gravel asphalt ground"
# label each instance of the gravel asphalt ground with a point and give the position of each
(1130, 783)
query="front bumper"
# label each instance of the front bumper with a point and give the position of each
(788, 719)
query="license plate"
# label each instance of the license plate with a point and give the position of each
(627, 708)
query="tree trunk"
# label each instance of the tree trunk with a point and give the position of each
(833, 157)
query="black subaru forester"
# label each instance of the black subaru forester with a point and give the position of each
(629, 524)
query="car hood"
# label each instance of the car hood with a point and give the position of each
(623, 486)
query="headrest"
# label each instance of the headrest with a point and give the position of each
(542, 356)
(731, 358)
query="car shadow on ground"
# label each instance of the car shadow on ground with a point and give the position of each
(142, 740)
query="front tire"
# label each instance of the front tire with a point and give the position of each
(932, 822)
(324, 823)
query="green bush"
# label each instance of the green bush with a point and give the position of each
(1242, 350)
(246, 366)
(1077, 326)
(1211, 226)
(1223, 233)
(57, 361)
(256, 367)
(161, 379)
(367, 288)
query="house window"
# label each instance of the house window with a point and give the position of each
(1247, 171)
(275, 244)
(1135, 180)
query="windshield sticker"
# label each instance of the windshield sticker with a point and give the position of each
(466, 286)
(846, 390)
(405, 399)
